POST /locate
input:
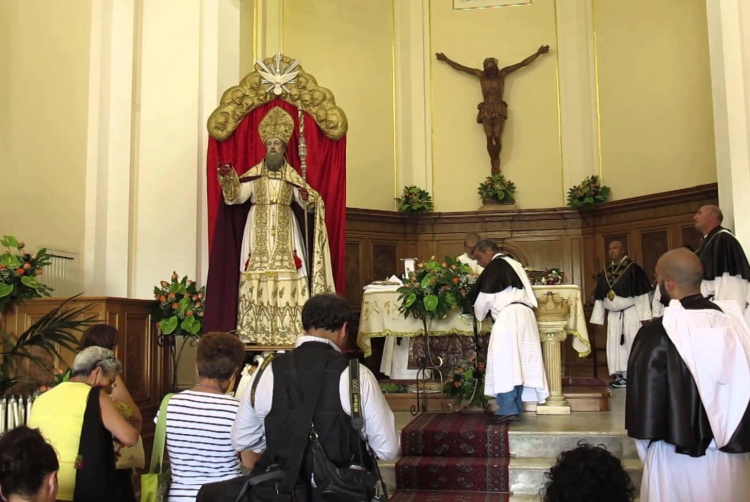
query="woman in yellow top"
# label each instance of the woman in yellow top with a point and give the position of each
(107, 337)
(79, 419)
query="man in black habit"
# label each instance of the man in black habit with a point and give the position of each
(688, 392)
(622, 290)
(725, 267)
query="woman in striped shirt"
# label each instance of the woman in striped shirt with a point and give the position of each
(199, 420)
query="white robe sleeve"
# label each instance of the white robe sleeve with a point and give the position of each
(597, 315)
(308, 205)
(729, 287)
(643, 306)
(245, 192)
(483, 305)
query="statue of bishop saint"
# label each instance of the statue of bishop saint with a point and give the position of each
(276, 277)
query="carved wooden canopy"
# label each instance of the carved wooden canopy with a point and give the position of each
(257, 88)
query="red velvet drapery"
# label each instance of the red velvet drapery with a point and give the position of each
(326, 173)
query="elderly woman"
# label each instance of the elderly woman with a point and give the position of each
(28, 467)
(107, 337)
(199, 420)
(79, 419)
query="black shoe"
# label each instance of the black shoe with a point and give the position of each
(501, 419)
(618, 383)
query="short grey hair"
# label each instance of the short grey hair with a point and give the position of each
(487, 245)
(89, 359)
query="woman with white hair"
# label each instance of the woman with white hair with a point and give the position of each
(79, 419)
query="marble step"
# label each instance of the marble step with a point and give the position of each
(533, 444)
(526, 473)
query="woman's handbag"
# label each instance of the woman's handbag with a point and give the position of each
(155, 484)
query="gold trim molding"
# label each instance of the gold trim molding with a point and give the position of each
(304, 92)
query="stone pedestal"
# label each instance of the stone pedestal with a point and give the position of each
(552, 334)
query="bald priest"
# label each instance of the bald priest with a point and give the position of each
(688, 398)
(623, 291)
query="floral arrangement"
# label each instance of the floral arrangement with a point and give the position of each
(415, 201)
(19, 270)
(497, 188)
(588, 194)
(180, 308)
(551, 277)
(435, 288)
(467, 384)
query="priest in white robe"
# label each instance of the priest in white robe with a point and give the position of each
(515, 368)
(688, 397)
(623, 292)
(470, 242)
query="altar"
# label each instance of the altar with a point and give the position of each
(380, 317)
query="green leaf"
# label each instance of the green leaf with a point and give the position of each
(29, 282)
(195, 328)
(169, 325)
(184, 303)
(430, 303)
(175, 287)
(426, 280)
(10, 261)
(409, 300)
(588, 200)
(5, 289)
(187, 323)
(12, 242)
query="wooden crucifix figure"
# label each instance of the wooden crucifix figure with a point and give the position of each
(493, 111)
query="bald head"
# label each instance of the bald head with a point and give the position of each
(707, 218)
(616, 251)
(679, 273)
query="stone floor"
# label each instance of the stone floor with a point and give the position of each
(537, 440)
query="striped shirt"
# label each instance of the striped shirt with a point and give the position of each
(199, 427)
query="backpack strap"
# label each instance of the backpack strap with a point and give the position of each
(256, 380)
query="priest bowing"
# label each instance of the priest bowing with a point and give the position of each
(515, 368)
(688, 398)
(622, 290)
(276, 276)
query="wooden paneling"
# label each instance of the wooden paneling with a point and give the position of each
(570, 240)
(690, 237)
(653, 245)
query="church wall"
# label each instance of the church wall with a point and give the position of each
(655, 95)
(348, 47)
(531, 156)
(44, 64)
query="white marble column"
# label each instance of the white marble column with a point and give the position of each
(729, 45)
(552, 334)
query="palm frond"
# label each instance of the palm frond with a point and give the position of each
(54, 331)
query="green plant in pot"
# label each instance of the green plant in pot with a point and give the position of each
(414, 200)
(20, 271)
(588, 194)
(496, 189)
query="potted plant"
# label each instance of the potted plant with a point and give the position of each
(496, 190)
(588, 194)
(47, 336)
(467, 384)
(19, 271)
(178, 312)
(414, 201)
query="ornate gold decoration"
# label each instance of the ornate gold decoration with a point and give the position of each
(252, 92)
(276, 124)
(230, 185)
(552, 307)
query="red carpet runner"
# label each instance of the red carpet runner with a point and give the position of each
(453, 452)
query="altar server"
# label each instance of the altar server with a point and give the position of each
(515, 369)
(623, 292)
(687, 399)
(470, 242)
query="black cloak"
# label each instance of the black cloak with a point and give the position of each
(628, 280)
(721, 253)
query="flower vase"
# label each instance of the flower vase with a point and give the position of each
(497, 205)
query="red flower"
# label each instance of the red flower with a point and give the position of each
(39, 271)
(443, 264)
(455, 280)
(460, 369)
(19, 271)
(200, 295)
(27, 266)
(197, 304)
(189, 313)
(457, 384)
(162, 298)
(171, 296)
(2, 267)
(175, 306)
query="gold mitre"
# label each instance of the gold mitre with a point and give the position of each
(276, 124)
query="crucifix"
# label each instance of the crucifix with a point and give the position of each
(493, 111)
